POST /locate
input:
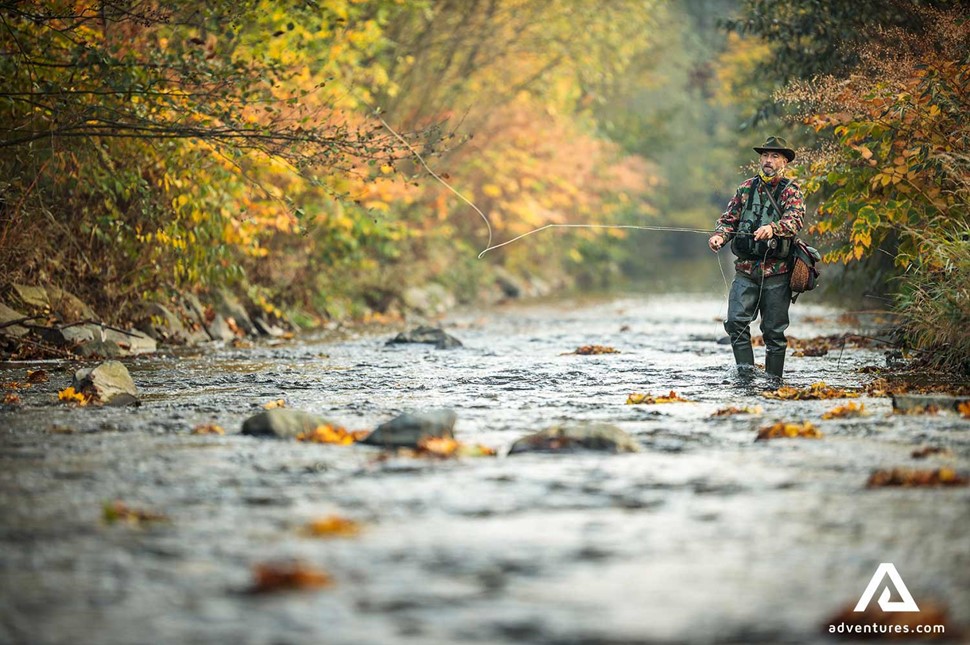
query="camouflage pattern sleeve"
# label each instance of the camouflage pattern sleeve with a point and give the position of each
(793, 212)
(728, 222)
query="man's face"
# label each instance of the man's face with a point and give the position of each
(772, 163)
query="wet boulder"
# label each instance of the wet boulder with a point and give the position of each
(284, 423)
(63, 304)
(917, 402)
(109, 383)
(207, 318)
(95, 341)
(406, 430)
(424, 334)
(602, 437)
(231, 308)
(8, 315)
(163, 325)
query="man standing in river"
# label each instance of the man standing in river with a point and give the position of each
(761, 222)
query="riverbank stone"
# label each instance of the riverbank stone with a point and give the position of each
(164, 326)
(406, 430)
(603, 437)
(230, 307)
(424, 334)
(912, 402)
(6, 315)
(284, 423)
(109, 383)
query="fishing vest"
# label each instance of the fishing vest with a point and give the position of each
(758, 211)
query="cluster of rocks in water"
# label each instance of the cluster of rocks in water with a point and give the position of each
(53, 317)
(409, 429)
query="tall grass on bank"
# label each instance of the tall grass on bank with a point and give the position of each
(934, 298)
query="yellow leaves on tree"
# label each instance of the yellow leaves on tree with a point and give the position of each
(786, 430)
(636, 398)
(816, 391)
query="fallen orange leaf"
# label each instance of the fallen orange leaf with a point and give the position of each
(587, 350)
(816, 391)
(964, 409)
(208, 428)
(446, 447)
(272, 405)
(333, 526)
(273, 577)
(118, 511)
(330, 434)
(637, 398)
(68, 395)
(909, 477)
(37, 376)
(782, 430)
(726, 412)
(848, 410)
(11, 399)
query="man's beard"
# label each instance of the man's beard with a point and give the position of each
(769, 171)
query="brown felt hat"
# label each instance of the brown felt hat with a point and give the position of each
(777, 144)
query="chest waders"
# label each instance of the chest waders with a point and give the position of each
(769, 296)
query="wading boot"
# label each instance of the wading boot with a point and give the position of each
(775, 363)
(743, 355)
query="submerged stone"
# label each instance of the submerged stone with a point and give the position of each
(406, 430)
(283, 423)
(110, 383)
(6, 315)
(424, 334)
(603, 437)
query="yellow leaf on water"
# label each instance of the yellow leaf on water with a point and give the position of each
(788, 430)
(272, 405)
(68, 395)
(637, 398)
(208, 428)
(332, 526)
(850, 409)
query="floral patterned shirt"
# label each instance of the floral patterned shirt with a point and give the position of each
(793, 214)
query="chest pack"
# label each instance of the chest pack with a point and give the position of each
(760, 209)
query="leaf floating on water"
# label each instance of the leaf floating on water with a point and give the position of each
(37, 376)
(748, 409)
(272, 405)
(845, 411)
(964, 409)
(815, 391)
(918, 410)
(909, 477)
(811, 350)
(15, 385)
(293, 576)
(330, 434)
(783, 430)
(68, 395)
(636, 398)
(208, 428)
(11, 399)
(118, 511)
(446, 447)
(589, 350)
(928, 451)
(333, 526)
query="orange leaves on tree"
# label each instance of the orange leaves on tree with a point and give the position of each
(118, 511)
(332, 526)
(909, 477)
(287, 576)
(845, 411)
(637, 398)
(786, 430)
(331, 434)
(816, 391)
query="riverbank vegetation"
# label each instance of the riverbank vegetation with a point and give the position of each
(279, 148)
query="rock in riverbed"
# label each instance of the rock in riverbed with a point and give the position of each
(407, 429)
(110, 383)
(423, 334)
(571, 437)
(284, 423)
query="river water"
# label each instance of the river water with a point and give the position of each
(703, 536)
